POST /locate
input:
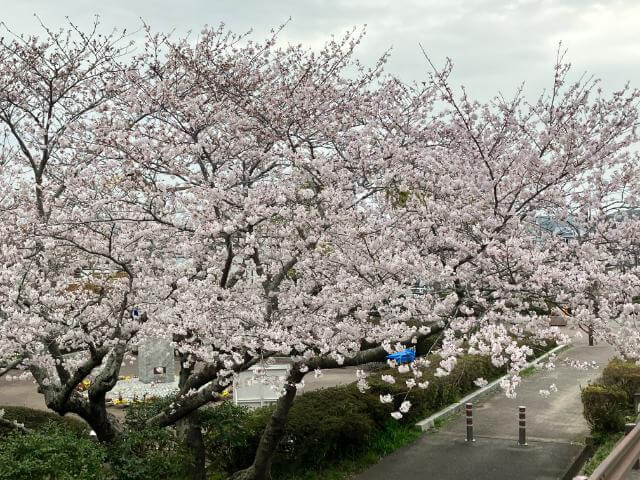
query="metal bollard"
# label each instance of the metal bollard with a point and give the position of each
(522, 430)
(469, 409)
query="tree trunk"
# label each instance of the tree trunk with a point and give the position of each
(190, 432)
(189, 429)
(93, 411)
(591, 335)
(102, 422)
(273, 433)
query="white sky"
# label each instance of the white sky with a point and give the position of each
(495, 44)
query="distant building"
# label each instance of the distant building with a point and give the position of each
(547, 224)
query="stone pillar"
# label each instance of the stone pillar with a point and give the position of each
(155, 361)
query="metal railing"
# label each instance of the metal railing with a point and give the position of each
(624, 456)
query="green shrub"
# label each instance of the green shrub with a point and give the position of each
(624, 375)
(331, 423)
(605, 407)
(51, 452)
(138, 413)
(148, 453)
(231, 434)
(35, 419)
(59, 448)
(328, 424)
(442, 391)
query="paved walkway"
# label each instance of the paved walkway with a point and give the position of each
(556, 431)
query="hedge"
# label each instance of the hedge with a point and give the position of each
(608, 402)
(149, 453)
(624, 375)
(54, 451)
(605, 407)
(60, 448)
(36, 419)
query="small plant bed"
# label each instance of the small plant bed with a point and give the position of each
(129, 390)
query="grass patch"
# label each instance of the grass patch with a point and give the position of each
(382, 442)
(441, 422)
(528, 372)
(605, 443)
(438, 423)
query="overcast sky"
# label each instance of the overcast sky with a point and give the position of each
(495, 44)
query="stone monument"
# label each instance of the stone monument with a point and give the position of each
(155, 361)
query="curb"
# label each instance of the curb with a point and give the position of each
(579, 461)
(452, 409)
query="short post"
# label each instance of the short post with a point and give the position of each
(522, 426)
(469, 409)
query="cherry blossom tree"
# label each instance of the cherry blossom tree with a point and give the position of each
(254, 162)
(51, 90)
(478, 188)
(209, 185)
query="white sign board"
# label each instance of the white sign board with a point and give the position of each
(249, 390)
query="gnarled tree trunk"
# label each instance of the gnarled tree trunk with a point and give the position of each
(64, 398)
(273, 433)
(190, 433)
(189, 429)
(105, 424)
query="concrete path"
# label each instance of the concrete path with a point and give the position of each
(556, 431)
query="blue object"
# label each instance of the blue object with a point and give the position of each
(404, 356)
